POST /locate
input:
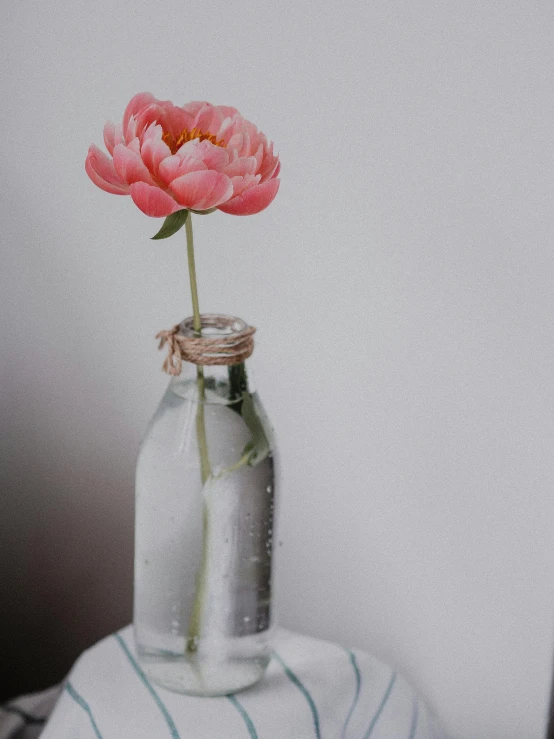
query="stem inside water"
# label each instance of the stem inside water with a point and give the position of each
(195, 623)
(205, 469)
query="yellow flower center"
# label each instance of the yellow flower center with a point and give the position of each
(187, 135)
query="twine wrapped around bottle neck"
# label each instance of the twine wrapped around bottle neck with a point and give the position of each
(229, 340)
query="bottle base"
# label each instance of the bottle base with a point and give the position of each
(200, 677)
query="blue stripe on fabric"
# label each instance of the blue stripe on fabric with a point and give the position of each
(84, 705)
(381, 706)
(167, 716)
(358, 676)
(414, 720)
(247, 720)
(292, 677)
(23, 714)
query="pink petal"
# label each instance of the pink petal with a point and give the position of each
(219, 114)
(153, 131)
(171, 118)
(253, 200)
(257, 139)
(193, 107)
(152, 200)
(135, 105)
(151, 114)
(202, 190)
(270, 164)
(175, 119)
(153, 150)
(134, 145)
(131, 132)
(244, 183)
(236, 142)
(244, 151)
(112, 136)
(205, 116)
(259, 156)
(129, 165)
(241, 166)
(214, 157)
(101, 171)
(226, 111)
(224, 129)
(109, 136)
(233, 128)
(176, 166)
(238, 136)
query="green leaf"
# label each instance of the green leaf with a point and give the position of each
(172, 224)
(258, 448)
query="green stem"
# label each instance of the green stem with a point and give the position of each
(205, 469)
(197, 323)
(195, 623)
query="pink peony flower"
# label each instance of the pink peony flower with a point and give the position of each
(200, 156)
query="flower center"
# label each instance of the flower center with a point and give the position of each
(187, 135)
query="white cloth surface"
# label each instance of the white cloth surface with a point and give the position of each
(312, 690)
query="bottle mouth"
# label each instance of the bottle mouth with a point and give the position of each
(213, 326)
(223, 340)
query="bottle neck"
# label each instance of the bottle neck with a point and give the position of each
(217, 384)
(210, 366)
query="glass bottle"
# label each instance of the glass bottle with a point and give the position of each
(205, 491)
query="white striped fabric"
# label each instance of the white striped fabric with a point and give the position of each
(312, 690)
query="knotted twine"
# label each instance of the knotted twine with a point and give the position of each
(184, 345)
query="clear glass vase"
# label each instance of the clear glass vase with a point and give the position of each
(205, 491)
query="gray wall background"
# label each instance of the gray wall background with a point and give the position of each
(402, 286)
